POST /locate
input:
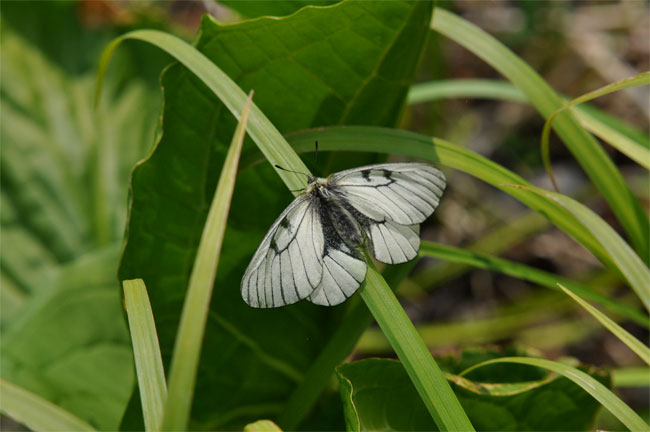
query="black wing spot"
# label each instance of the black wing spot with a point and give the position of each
(284, 223)
(274, 246)
(387, 174)
(366, 174)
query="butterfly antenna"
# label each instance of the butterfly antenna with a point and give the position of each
(316, 153)
(288, 170)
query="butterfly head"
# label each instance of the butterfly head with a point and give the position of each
(315, 183)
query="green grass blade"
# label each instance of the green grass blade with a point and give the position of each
(601, 393)
(392, 141)
(631, 377)
(585, 148)
(625, 139)
(638, 80)
(634, 149)
(462, 88)
(624, 336)
(496, 241)
(187, 348)
(521, 271)
(146, 350)
(633, 269)
(35, 412)
(427, 377)
(261, 130)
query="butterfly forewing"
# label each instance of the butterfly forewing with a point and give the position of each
(405, 193)
(288, 265)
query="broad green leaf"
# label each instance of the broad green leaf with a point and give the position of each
(626, 139)
(71, 346)
(278, 8)
(361, 83)
(597, 390)
(585, 148)
(36, 412)
(623, 335)
(187, 347)
(377, 395)
(146, 352)
(638, 154)
(409, 347)
(630, 265)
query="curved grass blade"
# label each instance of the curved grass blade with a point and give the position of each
(278, 152)
(631, 377)
(187, 347)
(585, 148)
(427, 377)
(630, 265)
(462, 88)
(521, 271)
(624, 336)
(601, 393)
(638, 80)
(146, 350)
(261, 130)
(392, 141)
(622, 137)
(35, 412)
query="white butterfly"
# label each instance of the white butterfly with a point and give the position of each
(314, 249)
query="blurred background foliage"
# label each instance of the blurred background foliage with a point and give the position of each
(65, 172)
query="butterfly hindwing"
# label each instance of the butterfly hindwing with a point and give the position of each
(288, 265)
(344, 267)
(392, 243)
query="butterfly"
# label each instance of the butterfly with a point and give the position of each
(314, 250)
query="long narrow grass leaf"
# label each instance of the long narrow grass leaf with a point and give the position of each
(630, 265)
(398, 142)
(146, 350)
(637, 80)
(35, 412)
(585, 148)
(261, 130)
(623, 335)
(187, 348)
(622, 137)
(524, 272)
(427, 377)
(462, 88)
(632, 148)
(631, 377)
(602, 394)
